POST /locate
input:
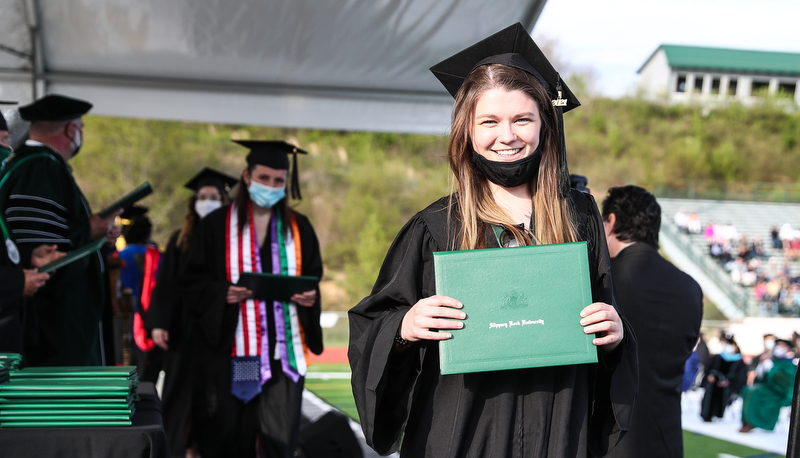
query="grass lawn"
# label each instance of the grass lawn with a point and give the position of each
(700, 446)
(322, 381)
(334, 391)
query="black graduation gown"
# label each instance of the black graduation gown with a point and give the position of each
(716, 398)
(42, 204)
(222, 424)
(567, 411)
(168, 310)
(665, 307)
(12, 312)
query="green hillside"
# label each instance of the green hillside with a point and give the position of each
(359, 188)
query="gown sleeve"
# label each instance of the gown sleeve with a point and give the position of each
(617, 378)
(312, 266)
(13, 283)
(165, 293)
(203, 277)
(383, 382)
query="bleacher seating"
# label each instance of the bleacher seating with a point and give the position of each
(749, 218)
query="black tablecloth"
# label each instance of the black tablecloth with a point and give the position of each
(144, 439)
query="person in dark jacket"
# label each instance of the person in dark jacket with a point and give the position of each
(664, 306)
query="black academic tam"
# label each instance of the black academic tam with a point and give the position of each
(55, 107)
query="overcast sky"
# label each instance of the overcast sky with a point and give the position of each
(615, 37)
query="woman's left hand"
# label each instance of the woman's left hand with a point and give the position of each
(305, 299)
(603, 319)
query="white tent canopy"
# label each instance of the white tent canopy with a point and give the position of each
(335, 64)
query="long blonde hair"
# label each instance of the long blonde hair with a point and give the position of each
(475, 207)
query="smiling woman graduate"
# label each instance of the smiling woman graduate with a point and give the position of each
(511, 188)
(251, 352)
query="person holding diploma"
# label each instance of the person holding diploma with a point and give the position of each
(43, 205)
(168, 318)
(17, 282)
(251, 350)
(511, 188)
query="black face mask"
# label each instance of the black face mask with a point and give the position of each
(509, 174)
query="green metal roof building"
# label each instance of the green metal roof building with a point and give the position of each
(708, 75)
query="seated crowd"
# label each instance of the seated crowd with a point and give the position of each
(788, 240)
(775, 288)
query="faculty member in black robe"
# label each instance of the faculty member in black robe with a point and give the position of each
(509, 163)
(15, 282)
(665, 307)
(16, 285)
(43, 204)
(223, 423)
(168, 318)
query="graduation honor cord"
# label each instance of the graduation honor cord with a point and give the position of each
(250, 352)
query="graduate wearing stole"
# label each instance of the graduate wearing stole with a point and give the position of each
(251, 354)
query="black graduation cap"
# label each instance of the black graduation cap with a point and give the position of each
(133, 211)
(514, 47)
(3, 123)
(136, 227)
(55, 107)
(275, 154)
(211, 177)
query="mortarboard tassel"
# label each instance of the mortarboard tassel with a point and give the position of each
(563, 169)
(562, 158)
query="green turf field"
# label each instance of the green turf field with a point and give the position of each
(322, 380)
(334, 391)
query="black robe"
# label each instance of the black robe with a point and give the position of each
(223, 425)
(717, 398)
(168, 310)
(665, 307)
(42, 204)
(567, 411)
(12, 311)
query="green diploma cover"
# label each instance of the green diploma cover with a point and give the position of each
(269, 287)
(523, 307)
(128, 199)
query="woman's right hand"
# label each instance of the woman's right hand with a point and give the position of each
(427, 315)
(237, 294)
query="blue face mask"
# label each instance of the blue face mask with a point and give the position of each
(265, 196)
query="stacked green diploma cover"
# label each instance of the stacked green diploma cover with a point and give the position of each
(8, 362)
(523, 307)
(68, 396)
